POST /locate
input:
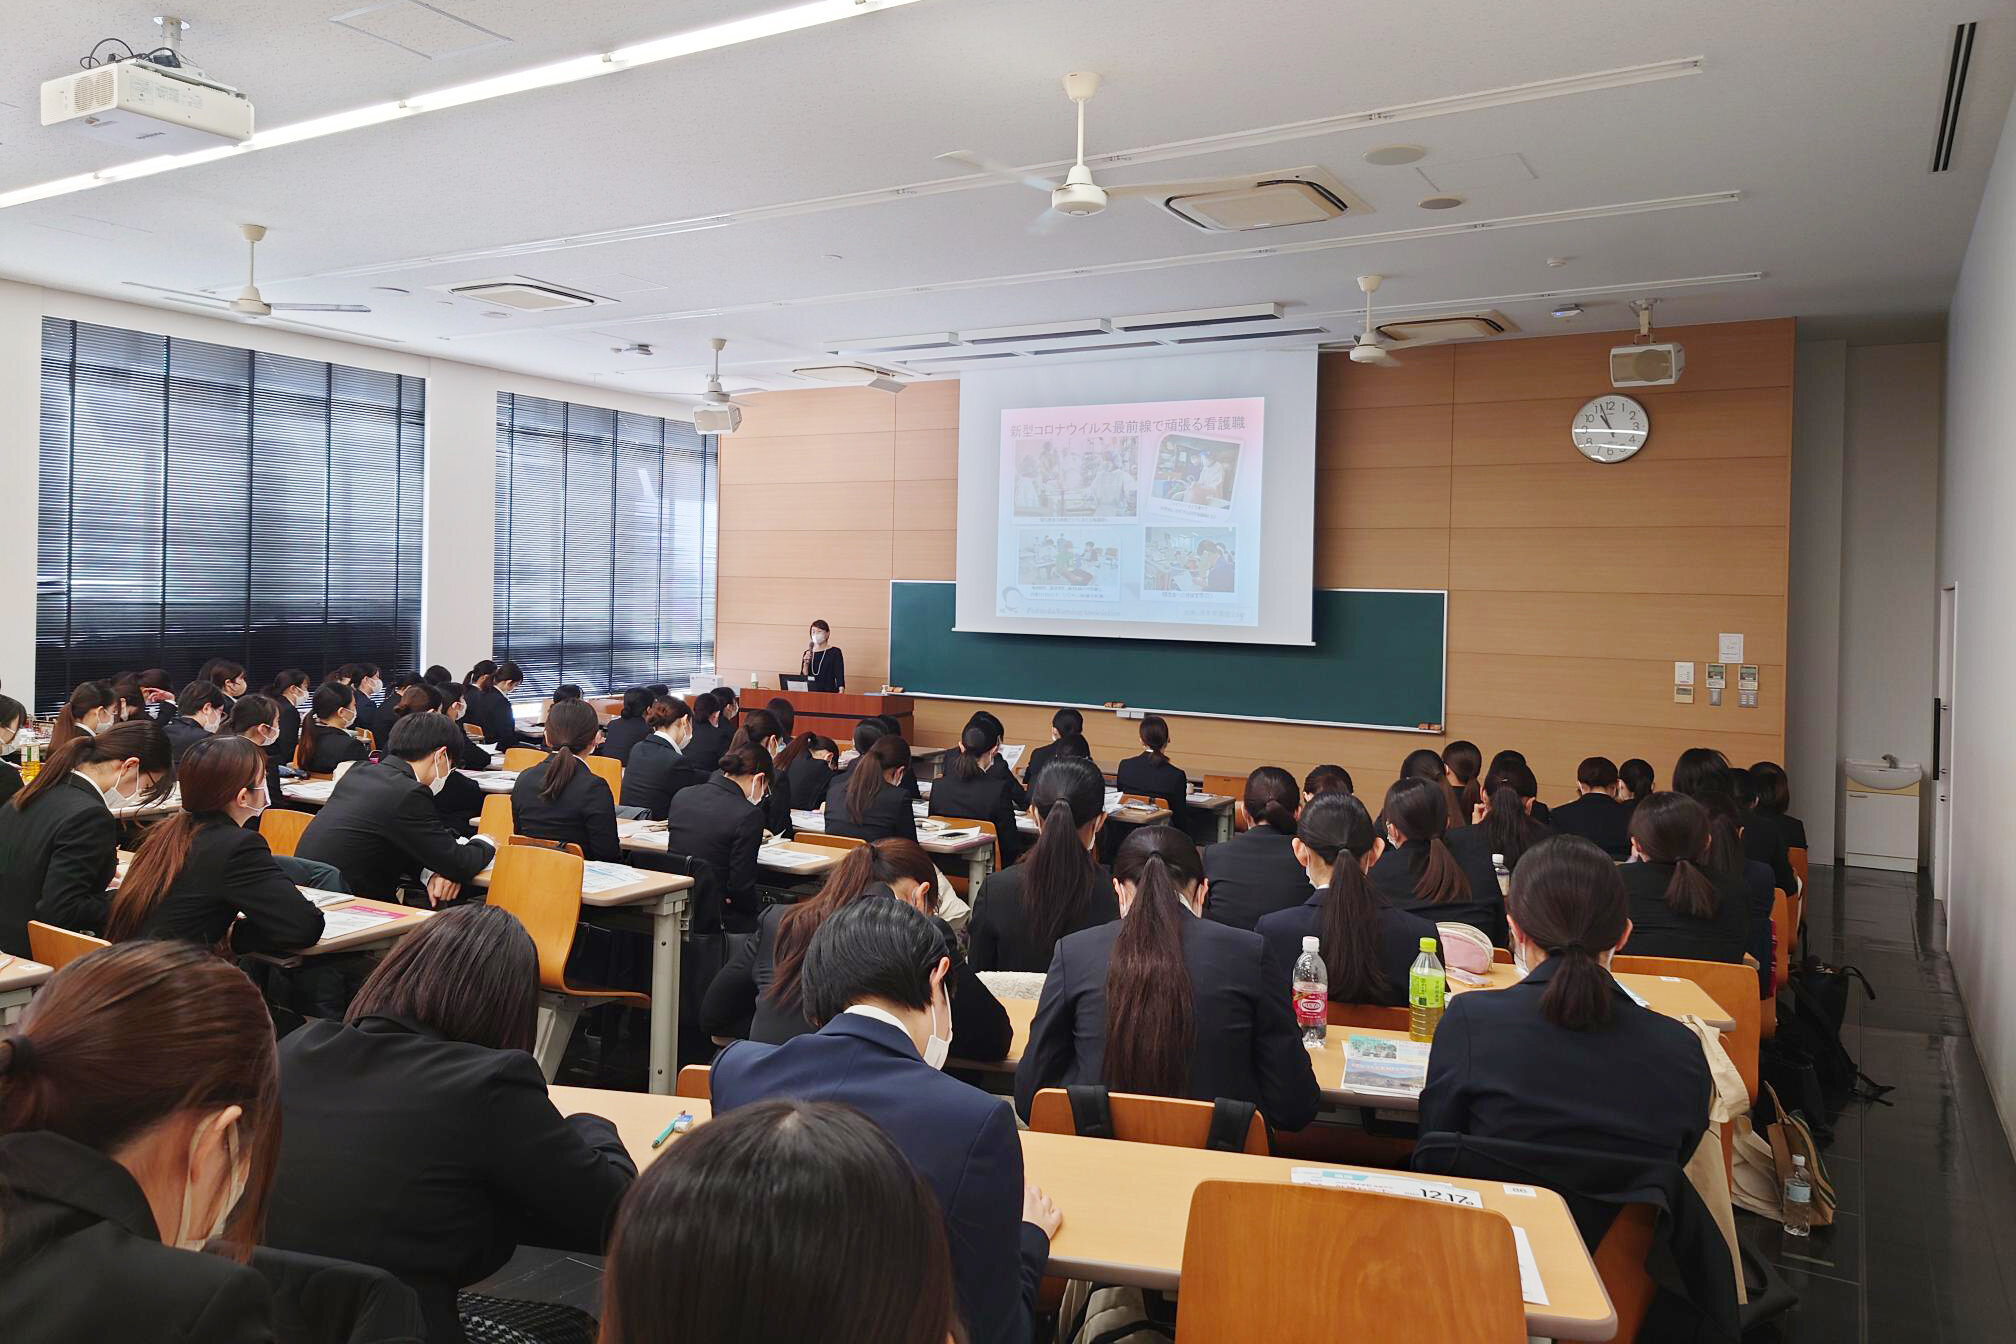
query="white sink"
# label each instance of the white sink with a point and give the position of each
(1880, 775)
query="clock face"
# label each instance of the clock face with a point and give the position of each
(1610, 429)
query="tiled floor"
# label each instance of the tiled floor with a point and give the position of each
(1924, 1244)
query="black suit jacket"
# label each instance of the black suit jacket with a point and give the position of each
(1657, 930)
(703, 752)
(582, 814)
(1245, 1044)
(1253, 874)
(490, 709)
(183, 733)
(805, 780)
(1395, 874)
(653, 774)
(10, 781)
(828, 670)
(1764, 842)
(1017, 795)
(1400, 935)
(984, 797)
(230, 872)
(1038, 757)
(432, 1158)
(380, 828)
(282, 749)
(715, 822)
(1156, 777)
(56, 860)
(331, 749)
(999, 926)
(961, 1140)
(621, 735)
(889, 813)
(83, 1260)
(1599, 818)
(1499, 1069)
(381, 719)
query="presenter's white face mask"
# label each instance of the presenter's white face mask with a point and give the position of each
(818, 639)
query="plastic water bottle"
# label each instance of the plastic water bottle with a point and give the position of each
(1427, 988)
(1312, 994)
(1798, 1203)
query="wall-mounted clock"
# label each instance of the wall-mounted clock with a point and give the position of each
(1610, 429)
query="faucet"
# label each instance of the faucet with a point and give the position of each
(1890, 760)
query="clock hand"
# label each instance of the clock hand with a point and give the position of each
(1606, 422)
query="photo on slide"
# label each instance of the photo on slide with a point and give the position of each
(1190, 560)
(1089, 477)
(1077, 561)
(1197, 471)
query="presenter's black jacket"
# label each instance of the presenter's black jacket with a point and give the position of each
(332, 747)
(1155, 777)
(889, 813)
(82, 1259)
(828, 670)
(1400, 935)
(582, 814)
(621, 736)
(490, 710)
(1253, 874)
(56, 859)
(999, 926)
(1245, 1044)
(184, 733)
(655, 772)
(1637, 1086)
(230, 873)
(380, 828)
(983, 797)
(1599, 818)
(805, 779)
(1399, 868)
(1658, 930)
(1033, 763)
(714, 821)
(433, 1159)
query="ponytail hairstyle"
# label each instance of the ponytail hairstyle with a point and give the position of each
(212, 772)
(1155, 733)
(664, 711)
(1150, 1019)
(1568, 900)
(330, 699)
(978, 739)
(1272, 799)
(481, 675)
(418, 698)
(1512, 830)
(508, 671)
(136, 739)
(635, 701)
(1419, 810)
(865, 782)
(1070, 794)
(285, 680)
(223, 672)
(1427, 764)
(1636, 775)
(1068, 723)
(800, 745)
(1337, 829)
(744, 760)
(1702, 773)
(883, 862)
(705, 707)
(89, 696)
(1673, 828)
(571, 727)
(754, 728)
(1774, 788)
(1462, 764)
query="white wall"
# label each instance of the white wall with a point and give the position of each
(1813, 583)
(1978, 553)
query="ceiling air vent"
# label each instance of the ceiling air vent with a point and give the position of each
(1956, 89)
(1447, 327)
(525, 294)
(1270, 201)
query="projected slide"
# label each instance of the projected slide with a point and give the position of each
(1138, 511)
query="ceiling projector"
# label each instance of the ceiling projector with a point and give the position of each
(158, 108)
(717, 418)
(1646, 365)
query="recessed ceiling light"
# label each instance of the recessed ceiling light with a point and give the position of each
(1559, 261)
(834, 256)
(389, 289)
(1440, 202)
(1568, 310)
(495, 312)
(1393, 156)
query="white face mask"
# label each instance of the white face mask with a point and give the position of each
(818, 639)
(116, 797)
(240, 1174)
(440, 781)
(937, 1049)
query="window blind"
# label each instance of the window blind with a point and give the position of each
(604, 566)
(201, 500)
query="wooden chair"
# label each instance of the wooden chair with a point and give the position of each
(1783, 930)
(1731, 984)
(1144, 800)
(540, 842)
(282, 827)
(495, 821)
(695, 1080)
(523, 758)
(475, 733)
(1231, 786)
(1389, 1268)
(542, 887)
(57, 948)
(1170, 1121)
(611, 771)
(959, 880)
(1620, 1263)
(1376, 1016)
(830, 841)
(1501, 956)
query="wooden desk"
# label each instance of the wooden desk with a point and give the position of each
(405, 919)
(977, 850)
(834, 714)
(649, 837)
(19, 979)
(314, 793)
(1126, 1206)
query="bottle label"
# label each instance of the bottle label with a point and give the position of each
(1798, 1194)
(1311, 1007)
(1426, 991)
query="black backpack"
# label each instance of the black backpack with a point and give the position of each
(1805, 1062)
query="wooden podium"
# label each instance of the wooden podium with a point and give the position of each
(834, 713)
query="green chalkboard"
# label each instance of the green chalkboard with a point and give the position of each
(1377, 662)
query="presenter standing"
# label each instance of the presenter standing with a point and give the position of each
(826, 665)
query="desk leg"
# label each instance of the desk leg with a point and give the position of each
(979, 863)
(1224, 821)
(667, 918)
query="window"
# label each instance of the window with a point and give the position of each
(605, 546)
(200, 500)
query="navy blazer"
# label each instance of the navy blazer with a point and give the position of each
(703, 751)
(582, 814)
(1599, 818)
(1245, 1044)
(56, 860)
(1400, 935)
(1155, 777)
(1637, 1086)
(960, 1139)
(1253, 874)
(330, 749)
(183, 733)
(1397, 871)
(889, 813)
(490, 710)
(1658, 930)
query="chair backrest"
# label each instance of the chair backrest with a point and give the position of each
(540, 842)
(523, 758)
(1620, 1263)
(57, 948)
(831, 841)
(1783, 933)
(1390, 1267)
(1146, 800)
(1501, 956)
(475, 733)
(1731, 984)
(1798, 857)
(1374, 1015)
(1228, 786)
(282, 826)
(496, 819)
(542, 887)
(611, 771)
(695, 1080)
(1171, 1121)
(370, 739)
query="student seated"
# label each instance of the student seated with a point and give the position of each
(1426, 764)
(874, 981)
(968, 787)
(290, 688)
(1564, 1057)
(1774, 796)
(866, 734)
(1434, 872)
(759, 728)
(785, 714)
(1067, 738)
(225, 675)
(1326, 779)
(326, 738)
(460, 798)
(256, 718)
(628, 728)
(489, 686)
(1507, 829)
(199, 711)
(805, 769)
(1019, 913)
(1541, 812)
(562, 799)
(1166, 1002)
(730, 706)
(200, 875)
(1596, 815)
(13, 716)
(867, 799)
(90, 710)
(729, 1237)
(1017, 794)
(380, 827)
(59, 842)
(400, 696)
(759, 994)
(418, 1135)
(710, 735)
(658, 767)
(1151, 775)
(1462, 770)
(1678, 907)
(1368, 946)
(1703, 771)
(1256, 872)
(1765, 839)
(1634, 781)
(138, 1118)
(720, 821)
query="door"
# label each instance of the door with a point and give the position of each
(1943, 741)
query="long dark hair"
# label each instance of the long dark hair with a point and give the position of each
(1568, 900)
(883, 861)
(571, 726)
(1673, 828)
(1636, 775)
(1272, 798)
(1150, 1019)
(1509, 825)
(976, 741)
(1059, 871)
(1465, 760)
(1155, 734)
(1774, 788)
(729, 1237)
(211, 772)
(801, 744)
(470, 974)
(481, 675)
(88, 696)
(865, 782)
(1702, 773)
(1338, 829)
(1419, 810)
(136, 739)
(330, 698)
(285, 680)
(755, 727)
(1426, 763)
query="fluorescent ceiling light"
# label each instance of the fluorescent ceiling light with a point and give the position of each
(713, 37)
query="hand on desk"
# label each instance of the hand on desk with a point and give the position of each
(441, 890)
(1037, 1209)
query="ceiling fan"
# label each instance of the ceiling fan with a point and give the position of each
(248, 302)
(1372, 348)
(713, 396)
(1077, 193)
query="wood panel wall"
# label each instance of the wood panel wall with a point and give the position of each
(1573, 587)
